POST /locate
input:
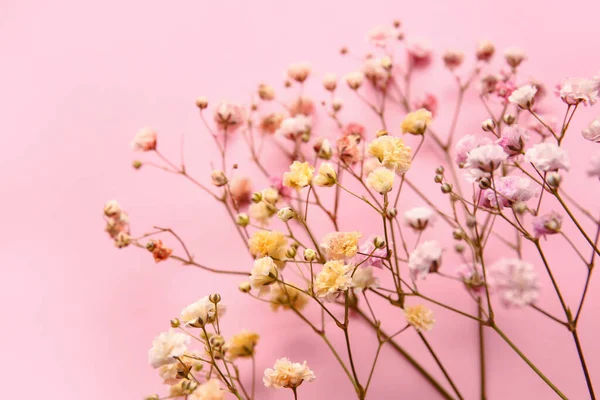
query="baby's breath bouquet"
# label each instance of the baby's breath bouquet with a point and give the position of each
(501, 187)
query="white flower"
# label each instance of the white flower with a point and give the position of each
(201, 312)
(592, 131)
(419, 217)
(547, 157)
(264, 272)
(514, 56)
(511, 189)
(286, 213)
(594, 169)
(286, 374)
(486, 158)
(381, 180)
(467, 143)
(424, 259)
(166, 347)
(363, 278)
(299, 71)
(516, 281)
(523, 96)
(354, 79)
(326, 176)
(293, 127)
(579, 90)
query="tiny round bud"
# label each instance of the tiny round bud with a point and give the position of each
(287, 84)
(344, 50)
(151, 245)
(400, 36)
(438, 178)
(459, 247)
(201, 103)
(337, 104)
(471, 221)
(310, 255)
(458, 234)
(381, 132)
(379, 242)
(386, 62)
(256, 197)
(286, 213)
(330, 82)
(218, 178)
(290, 253)
(553, 179)
(485, 50)
(266, 92)
(137, 164)
(519, 207)
(175, 323)
(242, 219)
(485, 183)
(397, 23)
(214, 298)
(391, 213)
(235, 166)
(245, 287)
(509, 119)
(446, 188)
(488, 125)
(112, 208)
(305, 137)
(439, 170)
(254, 107)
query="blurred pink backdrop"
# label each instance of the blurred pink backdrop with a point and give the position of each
(79, 78)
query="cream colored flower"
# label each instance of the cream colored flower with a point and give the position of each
(210, 390)
(299, 175)
(171, 373)
(420, 317)
(263, 273)
(391, 152)
(269, 243)
(270, 195)
(166, 347)
(201, 312)
(381, 180)
(416, 122)
(261, 212)
(287, 297)
(242, 344)
(363, 278)
(340, 245)
(335, 277)
(326, 175)
(286, 374)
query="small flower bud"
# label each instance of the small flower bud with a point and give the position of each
(459, 247)
(488, 125)
(242, 219)
(151, 245)
(379, 242)
(286, 213)
(175, 323)
(310, 255)
(381, 132)
(266, 92)
(438, 178)
(453, 59)
(485, 50)
(214, 298)
(112, 208)
(509, 119)
(245, 287)
(519, 207)
(201, 103)
(391, 213)
(290, 253)
(305, 137)
(553, 179)
(439, 170)
(344, 50)
(287, 84)
(386, 62)
(337, 104)
(330, 82)
(397, 23)
(256, 197)
(458, 234)
(471, 221)
(137, 164)
(218, 178)
(446, 188)
(485, 183)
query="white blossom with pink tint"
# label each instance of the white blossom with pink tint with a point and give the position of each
(546, 224)
(513, 140)
(486, 158)
(299, 71)
(514, 56)
(229, 116)
(579, 90)
(467, 143)
(592, 131)
(511, 189)
(379, 35)
(354, 79)
(523, 96)
(515, 281)
(363, 278)
(472, 277)
(419, 218)
(145, 140)
(353, 128)
(548, 156)
(302, 105)
(419, 51)
(424, 259)
(376, 72)
(293, 127)
(453, 58)
(594, 166)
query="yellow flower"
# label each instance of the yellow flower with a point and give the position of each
(340, 245)
(416, 122)
(299, 176)
(264, 272)
(381, 180)
(335, 277)
(391, 152)
(242, 344)
(326, 175)
(261, 212)
(420, 317)
(287, 297)
(269, 243)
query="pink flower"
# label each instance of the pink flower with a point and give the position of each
(592, 131)
(594, 168)
(453, 59)
(547, 224)
(486, 158)
(523, 96)
(303, 105)
(472, 277)
(379, 35)
(366, 248)
(229, 116)
(424, 259)
(488, 83)
(159, 251)
(419, 52)
(299, 71)
(348, 149)
(513, 140)
(293, 127)
(504, 89)
(467, 143)
(330, 82)
(428, 102)
(354, 128)
(516, 281)
(485, 50)
(376, 72)
(277, 183)
(145, 140)
(579, 90)
(511, 189)
(548, 156)
(241, 190)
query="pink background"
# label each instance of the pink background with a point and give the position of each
(79, 78)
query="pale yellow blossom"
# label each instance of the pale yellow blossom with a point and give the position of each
(335, 277)
(269, 243)
(381, 180)
(299, 175)
(263, 273)
(420, 317)
(416, 122)
(391, 152)
(326, 175)
(340, 245)
(287, 297)
(242, 344)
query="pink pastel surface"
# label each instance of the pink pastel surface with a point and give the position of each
(79, 78)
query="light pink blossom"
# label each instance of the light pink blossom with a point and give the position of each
(376, 72)
(453, 58)
(419, 52)
(486, 158)
(472, 276)
(419, 218)
(511, 189)
(354, 79)
(487, 84)
(428, 102)
(348, 149)
(229, 116)
(145, 140)
(514, 56)
(354, 128)
(299, 71)
(523, 96)
(293, 127)
(302, 105)
(513, 140)
(467, 143)
(485, 50)
(503, 89)
(546, 224)
(277, 183)
(424, 259)
(379, 35)
(548, 156)
(579, 90)
(376, 260)
(515, 281)
(592, 131)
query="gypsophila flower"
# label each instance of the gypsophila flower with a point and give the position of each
(269, 124)
(286, 297)
(592, 131)
(201, 312)
(286, 374)
(514, 56)
(145, 140)
(379, 35)
(428, 102)
(229, 116)
(419, 52)
(210, 390)
(546, 224)
(294, 127)
(340, 245)
(467, 143)
(299, 176)
(326, 175)
(261, 212)
(264, 272)
(268, 243)
(172, 373)
(391, 152)
(376, 72)
(594, 167)
(242, 344)
(302, 105)
(548, 156)
(354, 79)
(419, 218)
(370, 165)
(486, 158)
(420, 317)
(381, 180)
(354, 128)
(515, 281)
(159, 251)
(523, 96)
(330, 82)
(348, 150)
(286, 213)
(334, 277)
(370, 254)
(323, 149)
(511, 189)
(416, 122)
(485, 50)
(579, 90)
(513, 140)
(241, 190)
(166, 347)
(363, 278)
(299, 71)
(472, 277)
(453, 58)
(425, 258)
